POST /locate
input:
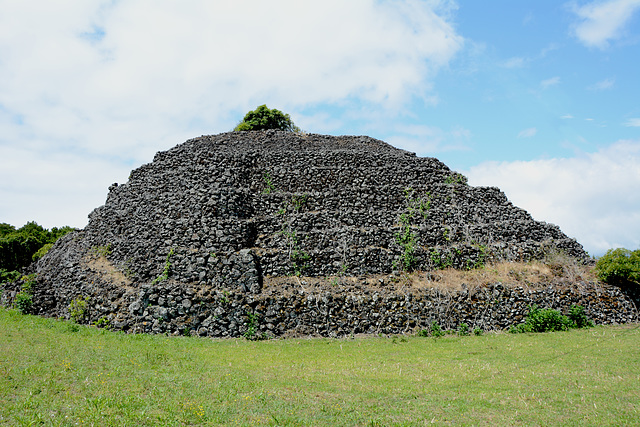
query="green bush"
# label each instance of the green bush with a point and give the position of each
(266, 118)
(579, 318)
(550, 320)
(23, 302)
(24, 299)
(620, 267)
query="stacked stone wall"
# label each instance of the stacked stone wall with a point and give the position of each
(292, 308)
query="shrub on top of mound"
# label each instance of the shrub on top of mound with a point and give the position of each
(263, 118)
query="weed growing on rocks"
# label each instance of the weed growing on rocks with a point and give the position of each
(102, 251)
(405, 237)
(165, 273)
(78, 309)
(456, 178)
(269, 187)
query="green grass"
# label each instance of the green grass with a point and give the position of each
(56, 373)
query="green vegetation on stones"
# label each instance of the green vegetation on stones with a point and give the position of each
(297, 256)
(23, 302)
(578, 317)
(102, 251)
(269, 187)
(440, 262)
(251, 333)
(9, 276)
(463, 329)
(41, 252)
(103, 322)
(167, 268)
(406, 238)
(456, 178)
(434, 330)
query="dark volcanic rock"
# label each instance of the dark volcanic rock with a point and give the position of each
(210, 219)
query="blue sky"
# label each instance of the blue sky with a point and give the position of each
(539, 98)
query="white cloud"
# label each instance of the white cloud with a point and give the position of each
(118, 81)
(592, 197)
(603, 84)
(528, 133)
(633, 122)
(567, 116)
(602, 21)
(550, 82)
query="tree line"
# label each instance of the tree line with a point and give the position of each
(19, 247)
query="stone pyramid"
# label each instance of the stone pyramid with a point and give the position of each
(229, 210)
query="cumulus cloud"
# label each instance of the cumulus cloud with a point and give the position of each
(117, 81)
(633, 122)
(602, 21)
(593, 197)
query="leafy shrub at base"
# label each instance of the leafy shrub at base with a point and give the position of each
(550, 320)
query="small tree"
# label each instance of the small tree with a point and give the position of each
(620, 267)
(266, 118)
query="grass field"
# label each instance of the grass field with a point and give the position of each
(57, 373)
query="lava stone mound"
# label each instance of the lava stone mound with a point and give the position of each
(229, 210)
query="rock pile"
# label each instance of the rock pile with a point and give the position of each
(219, 214)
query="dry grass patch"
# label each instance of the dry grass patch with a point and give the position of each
(105, 270)
(559, 271)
